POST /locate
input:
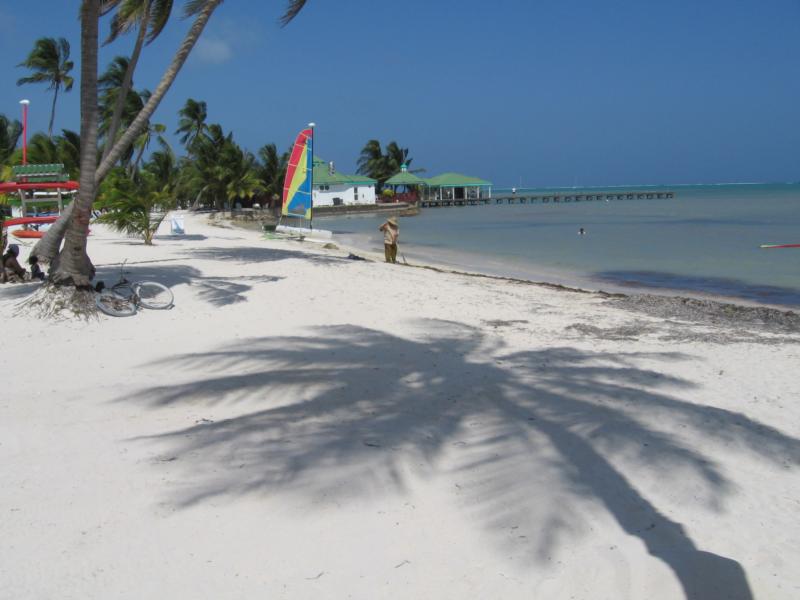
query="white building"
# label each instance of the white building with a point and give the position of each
(336, 189)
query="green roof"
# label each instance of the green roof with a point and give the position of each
(38, 173)
(323, 177)
(405, 178)
(456, 180)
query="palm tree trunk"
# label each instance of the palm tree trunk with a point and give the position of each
(141, 120)
(46, 249)
(72, 266)
(127, 81)
(53, 114)
(52, 239)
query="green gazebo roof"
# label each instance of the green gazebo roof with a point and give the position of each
(405, 178)
(456, 180)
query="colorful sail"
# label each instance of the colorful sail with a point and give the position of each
(299, 174)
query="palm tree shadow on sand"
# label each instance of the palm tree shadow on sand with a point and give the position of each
(346, 410)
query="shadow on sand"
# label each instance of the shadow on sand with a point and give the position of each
(218, 291)
(18, 291)
(259, 255)
(537, 437)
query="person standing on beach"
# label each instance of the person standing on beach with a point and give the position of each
(391, 232)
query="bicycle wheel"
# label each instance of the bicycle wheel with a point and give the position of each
(114, 305)
(123, 289)
(154, 295)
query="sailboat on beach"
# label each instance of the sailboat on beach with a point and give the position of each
(298, 198)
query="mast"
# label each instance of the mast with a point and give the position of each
(311, 178)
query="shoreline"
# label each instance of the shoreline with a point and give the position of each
(698, 307)
(561, 279)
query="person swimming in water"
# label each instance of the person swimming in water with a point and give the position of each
(581, 231)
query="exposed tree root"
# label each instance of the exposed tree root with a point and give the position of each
(60, 302)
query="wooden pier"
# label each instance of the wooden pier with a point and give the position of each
(547, 198)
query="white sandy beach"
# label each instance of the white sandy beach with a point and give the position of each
(303, 426)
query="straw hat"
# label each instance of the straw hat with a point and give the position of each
(392, 221)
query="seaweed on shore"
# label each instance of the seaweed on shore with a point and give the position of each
(711, 312)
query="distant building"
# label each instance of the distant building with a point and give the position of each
(406, 186)
(335, 189)
(454, 186)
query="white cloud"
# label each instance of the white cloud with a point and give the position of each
(213, 50)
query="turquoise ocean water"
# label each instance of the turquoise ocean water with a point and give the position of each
(705, 241)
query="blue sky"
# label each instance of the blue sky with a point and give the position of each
(556, 92)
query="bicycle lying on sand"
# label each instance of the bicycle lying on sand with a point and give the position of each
(124, 298)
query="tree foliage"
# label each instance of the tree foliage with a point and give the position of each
(149, 17)
(50, 64)
(10, 132)
(377, 164)
(192, 122)
(218, 171)
(272, 170)
(65, 243)
(133, 205)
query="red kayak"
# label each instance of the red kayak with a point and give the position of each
(780, 245)
(32, 233)
(27, 233)
(30, 220)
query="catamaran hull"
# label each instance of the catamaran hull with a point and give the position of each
(305, 232)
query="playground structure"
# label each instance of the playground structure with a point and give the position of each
(36, 191)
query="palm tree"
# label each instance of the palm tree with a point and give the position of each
(131, 203)
(396, 157)
(192, 123)
(202, 11)
(69, 152)
(143, 142)
(148, 17)
(110, 87)
(62, 149)
(110, 92)
(72, 264)
(377, 165)
(371, 162)
(272, 170)
(50, 62)
(292, 10)
(42, 149)
(163, 166)
(220, 170)
(10, 132)
(240, 173)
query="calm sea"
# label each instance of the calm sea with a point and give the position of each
(704, 241)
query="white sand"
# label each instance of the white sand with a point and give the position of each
(305, 426)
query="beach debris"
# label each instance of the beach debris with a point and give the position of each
(203, 421)
(352, 256)
(507, 323)
(712, 312)
(331, 246)
(625, 332)
(320, 574)
(405, 562)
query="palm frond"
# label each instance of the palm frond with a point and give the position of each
(292, 10)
